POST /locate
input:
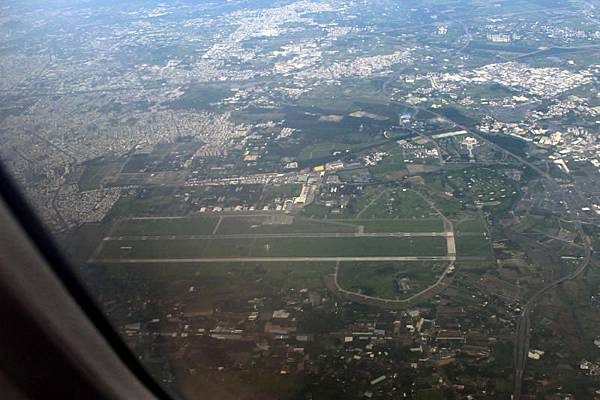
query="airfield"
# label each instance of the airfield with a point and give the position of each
(392, 262)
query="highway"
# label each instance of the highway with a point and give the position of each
(523, 331)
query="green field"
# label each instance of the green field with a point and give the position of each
(396, 203)
(473, 246)
(474, 225)
(378, 279)
(260, 224)
(276, 247)
(377, 202)
(392, 167)
(150, 202)
(305, 225)
(472, 187)
(539, 223)
(218, 275)
(166, 226)
(402, 225)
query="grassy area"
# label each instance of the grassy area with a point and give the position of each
(81, 242)
(400, 225)
(277, 247)
(482, 187)
(514, 145)
(385, 202)
(474, 225)
(204, 225)
(320, 151)
(473, 246)
(397, 203)
(257, 224)
(457, 115)
(320, 211)
(546, 224)
(152, 249)
(150, 202)
(233, 225)
(139, 162)
(392, 167)
(281, 274)
(200, 96)
(381, 279)
(166, 226)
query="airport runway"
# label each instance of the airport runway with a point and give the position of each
(261, 259)
(279, 235)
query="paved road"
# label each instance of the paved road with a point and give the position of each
(467, 34)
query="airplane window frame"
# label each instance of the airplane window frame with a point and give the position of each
(62, 269)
